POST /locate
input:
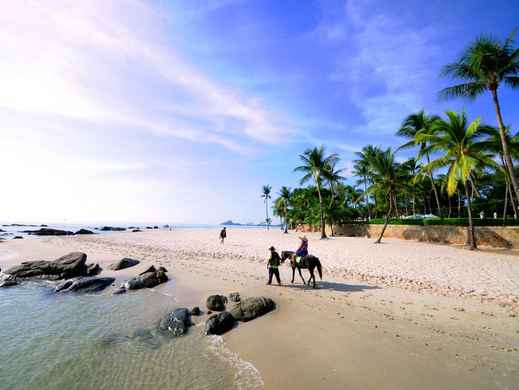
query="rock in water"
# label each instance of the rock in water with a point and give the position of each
(17, 238)
(219, 323)
(250, 308)
(234, 297)
(48, 232)
(85, 285)
(8, 283)
(176, 322)
(216, 302)
(93, 269)
(120, 290)
(68, 266)
(84, 231)
(195, 311)
(148, 279)
(124, 263)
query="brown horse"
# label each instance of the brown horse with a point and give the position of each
(310, 262)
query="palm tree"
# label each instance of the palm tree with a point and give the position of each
(386, 180)
(333, 177)
(493, 144)
(463, 153)
(362, 169)
(267, 189)
(316, 166)
(422, 123)
(284, 195)
(412, 168)
(484, 66)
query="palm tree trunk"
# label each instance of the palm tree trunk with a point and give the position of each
(286, 217)
(506, 203)
(366, 196)
(388, 215)
(504, 142)
(433, 184)
(267, 212)
(512, 200)
(470, 229)
(323, 231)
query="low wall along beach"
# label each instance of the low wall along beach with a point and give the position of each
(489, 236)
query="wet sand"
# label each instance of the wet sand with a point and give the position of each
(368, 332)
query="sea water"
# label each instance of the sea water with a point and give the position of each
(73, 342)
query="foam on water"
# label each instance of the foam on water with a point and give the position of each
(246, 377)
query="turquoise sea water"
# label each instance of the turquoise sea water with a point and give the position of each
(80, 342)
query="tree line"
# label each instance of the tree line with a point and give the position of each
(460, 164)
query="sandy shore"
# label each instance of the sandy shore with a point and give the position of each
(400, 315)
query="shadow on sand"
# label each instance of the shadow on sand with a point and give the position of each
(333, 286)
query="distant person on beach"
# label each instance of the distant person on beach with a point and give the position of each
(273, 265)
(223, 235)
(302, 251)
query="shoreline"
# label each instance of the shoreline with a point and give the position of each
(347, 332)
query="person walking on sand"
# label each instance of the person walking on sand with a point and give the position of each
(273, 265)
(223, 235)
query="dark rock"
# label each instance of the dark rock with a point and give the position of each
(155, 227)
(219, 323)
(149, 227)
(124, 263)
(234, 297)
(148, 279)
(112, 229)
(119, 290)
(216, 302)
(136, 230)
(84, 231)
(85, 285)
(93, 269)
(8, 283)
(43, 225)
(48, 232)
(68, 266)
(17, 238)
(250, 308)
(195, 311)
(2, 231)
(176, 322)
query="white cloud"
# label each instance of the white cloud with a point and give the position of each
(109, 62)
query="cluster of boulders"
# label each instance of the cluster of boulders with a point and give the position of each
(177, 322)
(56, 232)
(148, 279)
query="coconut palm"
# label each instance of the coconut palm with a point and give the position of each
(484, 66)
(333, 177)
(422, 123)
(284, 196)
(362, 169)
(462, 153)
(386, 180)
(266, 195)
(316, 166)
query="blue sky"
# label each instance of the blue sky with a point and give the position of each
(180, 111)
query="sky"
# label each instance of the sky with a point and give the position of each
(179, 111)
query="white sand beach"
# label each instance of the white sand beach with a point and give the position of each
(399, 315)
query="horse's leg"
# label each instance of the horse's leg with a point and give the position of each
(293, 273)
(312, 276)
(300, 274)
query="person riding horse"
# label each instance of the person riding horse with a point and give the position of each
(305, 261)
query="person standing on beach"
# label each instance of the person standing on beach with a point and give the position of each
(273, 265)
(223, 235)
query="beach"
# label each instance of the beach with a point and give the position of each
(398, 315)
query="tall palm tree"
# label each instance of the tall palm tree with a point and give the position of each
(266, 195)
(493, 144)
(386, 174)
(333, 177)
(422, 123)
(362, 169)
(412, 168)
(284, 195)
(463, 153)
(484, 66)
(315, 166)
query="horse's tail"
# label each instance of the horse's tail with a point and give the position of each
(319, 269)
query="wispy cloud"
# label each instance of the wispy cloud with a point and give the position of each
(103, 62)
